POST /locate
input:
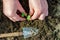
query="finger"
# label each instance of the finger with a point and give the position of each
(18, 18)
(46, 13)
(46, 7)
(35, 15)
(11, 19)
(20, 8)
(42, 16)
(31, 10)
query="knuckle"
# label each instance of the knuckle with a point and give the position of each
(38, 11)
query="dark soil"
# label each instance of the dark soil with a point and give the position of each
(47, 27)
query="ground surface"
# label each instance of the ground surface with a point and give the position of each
(49, 28)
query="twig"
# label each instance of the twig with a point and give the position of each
(11, 34)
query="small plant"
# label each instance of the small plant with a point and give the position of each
(25, 15)
(28, 17)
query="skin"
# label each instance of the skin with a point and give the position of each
(10, 8)
(38, 9)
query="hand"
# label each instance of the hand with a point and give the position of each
(38, 9)
(10, 8)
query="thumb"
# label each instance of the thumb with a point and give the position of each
(31, 11)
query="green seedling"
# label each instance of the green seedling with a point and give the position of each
(25, 15)
(28, 17)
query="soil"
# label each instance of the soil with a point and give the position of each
(47, 27)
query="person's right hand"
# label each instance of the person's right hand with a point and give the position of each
(38, 9)
(10, 8)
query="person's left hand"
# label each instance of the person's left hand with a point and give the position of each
(38, 9)
(10, 8)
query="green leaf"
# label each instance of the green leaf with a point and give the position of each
(28, 17)
(23, 14)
